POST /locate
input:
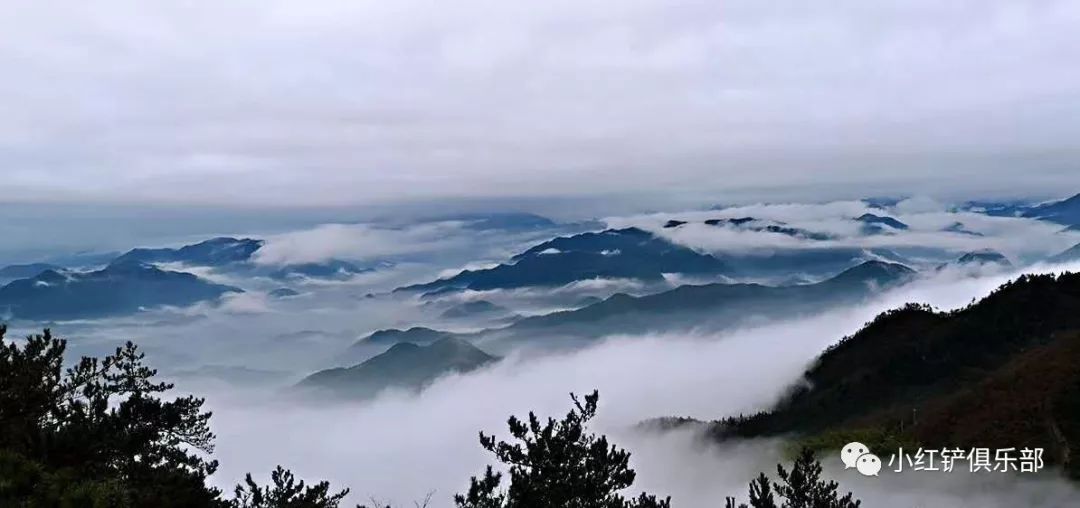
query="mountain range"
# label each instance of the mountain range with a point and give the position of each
(214, 252)
(1065, 212)
(404, 365)
(708, 306)
(756, 225)
(613, 253)
(238, 254)
(25, 271)
(120, 288)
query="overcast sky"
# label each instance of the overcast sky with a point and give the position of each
(267, 102)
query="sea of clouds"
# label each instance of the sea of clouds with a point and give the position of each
(401, 446)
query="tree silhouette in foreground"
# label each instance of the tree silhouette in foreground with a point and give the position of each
(285, 493)
(557, 464)
(802, 487)
(99, 435)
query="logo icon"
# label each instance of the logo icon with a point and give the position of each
(857, 455)
(869, 464)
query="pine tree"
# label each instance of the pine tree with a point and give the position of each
(99, 435)
(557, 463)
(285, 493)
(802, 487)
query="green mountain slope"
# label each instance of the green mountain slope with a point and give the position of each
(1004, 371)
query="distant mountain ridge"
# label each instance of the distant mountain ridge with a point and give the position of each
(979, 258)
(239, 254)
(984, 256)
(878, 224)
(213, 252)
(380, 340)
(1065, 211)
(28, 270)
(1068, 255)
(614, 253)
(717, 305)
(756, 225)
(404, 365)
(119, 288)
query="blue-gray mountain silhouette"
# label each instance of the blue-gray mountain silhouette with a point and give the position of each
(704, 307)
(26, 271)
(1010, 208)
(1069, 255)
(380, 340)
(983, 257)
(875, 224)
(283, 293)
(960, 228)
(237, 254)
(1066, 211)
(752, 224)
(712, 305)
(613, 253)
(120, 288)
(405, 365)
(213, 252)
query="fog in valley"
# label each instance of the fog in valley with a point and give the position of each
(246, 352)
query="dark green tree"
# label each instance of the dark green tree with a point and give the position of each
(286, 492)
(100, 435)
(97, 434)
(802, 487)
(557, 464)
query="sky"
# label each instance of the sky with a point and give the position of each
(272, 103)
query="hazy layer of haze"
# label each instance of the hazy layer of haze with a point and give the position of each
(400, 447)
(267, 103)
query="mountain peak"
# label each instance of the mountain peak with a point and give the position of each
(878, 272)
(879, 220)
(405, 365)
(985, 256)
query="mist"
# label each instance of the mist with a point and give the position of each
(401, 446)
(243, 354)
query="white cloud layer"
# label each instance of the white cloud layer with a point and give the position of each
(1016, 238)
(358, 241)
(347, 102)
(399, 448)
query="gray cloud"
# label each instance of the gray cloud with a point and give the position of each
(334, 102)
